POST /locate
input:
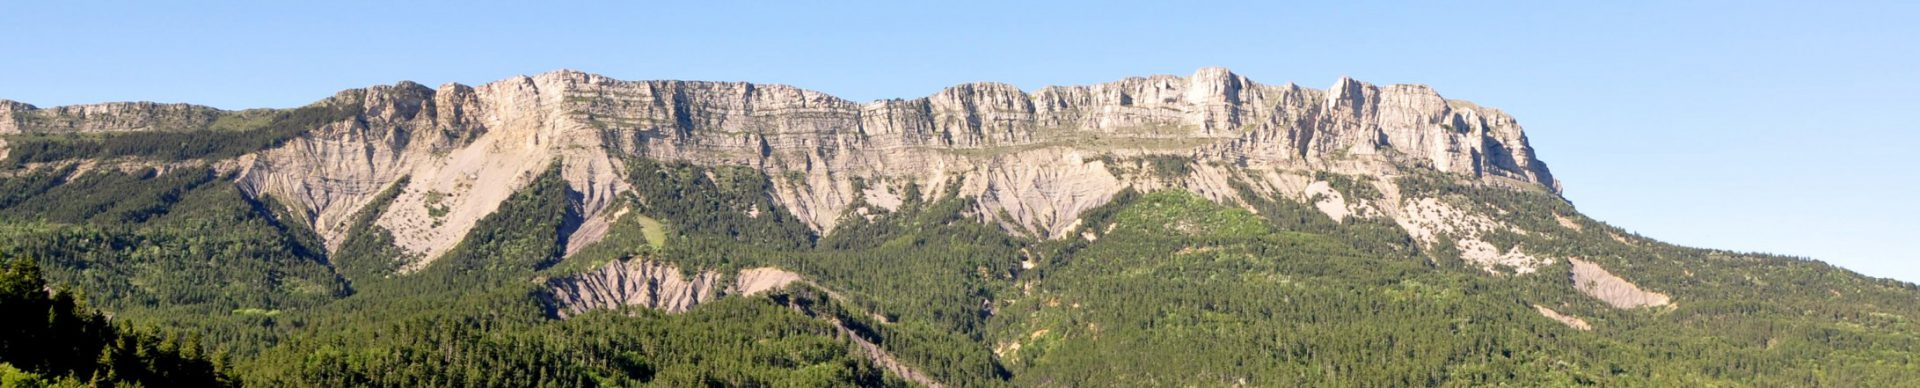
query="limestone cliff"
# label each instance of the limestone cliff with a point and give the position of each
(16, 117)
(1034, 160)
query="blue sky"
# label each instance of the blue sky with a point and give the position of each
(1749, 125)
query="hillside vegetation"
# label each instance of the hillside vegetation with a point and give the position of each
(1161, 288)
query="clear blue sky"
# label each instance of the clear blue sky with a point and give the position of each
(1743, 125)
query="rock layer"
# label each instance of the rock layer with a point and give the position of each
(1034, 160)
(654, 285)
(1595, 281)
(630, 283)
(16, 117)
(1569, 320)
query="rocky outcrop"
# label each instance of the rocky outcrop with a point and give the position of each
(1035, 160)
(1596, 282)
(465, 150)
(664, 287)
(16, 117)
(1432, 220)
(334, 169)
(623, 283)
(1569, 320)
(654, 285)
(753, 281)
(1030, 157)
(1489, 257)
(881, 357)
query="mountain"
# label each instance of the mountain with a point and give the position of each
(1160, 230)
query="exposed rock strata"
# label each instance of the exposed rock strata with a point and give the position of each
(1595, 281)
(654, 285)
(884, 359)
(1569, 320)
(754, 281)
(1488, 257)
(663, 287)
(16, 117)
(1034, 160)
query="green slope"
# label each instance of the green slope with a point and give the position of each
(1171, 289)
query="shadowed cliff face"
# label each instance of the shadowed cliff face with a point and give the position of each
(1034, 160)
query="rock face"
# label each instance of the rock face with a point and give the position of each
(334, 169)
(638, 283)
(18, 117)
(654, 285)
(753, 281)
(1569, 320)
(1034, 160)
(1595, 281)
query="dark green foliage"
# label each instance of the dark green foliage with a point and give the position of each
(294, 228)
(471, 319)
(1351, 186)
(1374, 236)
(1164, 167)
(727, 201)
(33, 183)
(522, 236)
(167, 241)
(205, 143)
(1182, 292)
(368, 254)
(53, 335)
(501, 339)
(925, 266)
(1761, 319)
(631, 235)
(503, 250)
(928, 268)
(1170, 289)
(105, 197)
(1170, 166)
(183, 250)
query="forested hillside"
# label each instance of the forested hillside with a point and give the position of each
(574, 230)
(1161, 288)
(51, 338)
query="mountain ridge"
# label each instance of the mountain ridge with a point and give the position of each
(1036, 159)
(1186, 230)
(1215, 90)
